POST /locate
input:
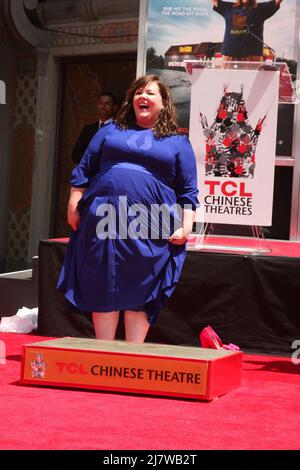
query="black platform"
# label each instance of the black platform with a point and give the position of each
(249, 300)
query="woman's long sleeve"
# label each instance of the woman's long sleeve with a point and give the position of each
(186, 175)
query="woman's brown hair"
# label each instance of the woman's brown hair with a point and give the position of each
(166, 123)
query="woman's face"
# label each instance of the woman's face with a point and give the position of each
(147, 104)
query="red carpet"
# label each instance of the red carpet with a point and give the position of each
(262, 414)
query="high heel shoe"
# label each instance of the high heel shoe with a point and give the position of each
(210, 339)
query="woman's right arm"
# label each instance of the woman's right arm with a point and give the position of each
(215, 3)
(73, 214)
(82, 175)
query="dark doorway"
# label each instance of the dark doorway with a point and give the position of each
(83, 79)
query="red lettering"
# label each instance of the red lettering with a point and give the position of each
(228, 188)
(82, 370)
(72, 368)
(61, 366)
(212, 185)
(225, 186)
(243, 192)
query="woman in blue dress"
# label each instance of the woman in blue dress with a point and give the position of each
(132, 204)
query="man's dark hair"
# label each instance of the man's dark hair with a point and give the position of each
(111, 95)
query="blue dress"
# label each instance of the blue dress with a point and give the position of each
(128, 174)
(244, 27)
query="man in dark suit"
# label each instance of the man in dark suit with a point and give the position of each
(106, 107)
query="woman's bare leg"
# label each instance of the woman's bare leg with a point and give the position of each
(136, 326)
(105, 324)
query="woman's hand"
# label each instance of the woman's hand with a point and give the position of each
(73, 216)
(178, 237)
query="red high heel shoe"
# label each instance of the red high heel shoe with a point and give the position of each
(210, 339)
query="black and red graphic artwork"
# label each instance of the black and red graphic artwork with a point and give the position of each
(230, 140)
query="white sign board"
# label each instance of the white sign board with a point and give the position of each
(233, 122)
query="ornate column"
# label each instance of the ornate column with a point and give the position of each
(22, 36)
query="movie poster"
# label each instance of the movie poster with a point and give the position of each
(233, 133)
(179, 30)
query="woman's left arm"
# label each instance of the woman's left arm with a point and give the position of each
(186, 190)
(278, 2)
(180, 236)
